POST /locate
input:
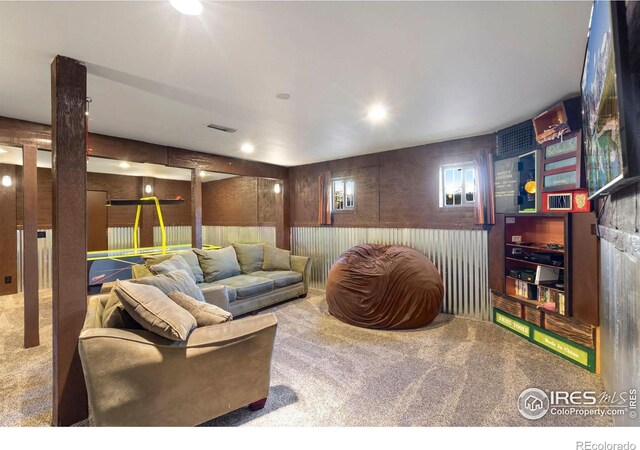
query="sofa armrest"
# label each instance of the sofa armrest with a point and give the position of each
(302, 264)
(216, 295)
(136, 378)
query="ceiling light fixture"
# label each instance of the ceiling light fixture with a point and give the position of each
(148, 189)
(247, 147)
(6, 181)
(276, 188)
(187, 7)
(377, 113)
(124, 165)
(283, 96)
(202, 173)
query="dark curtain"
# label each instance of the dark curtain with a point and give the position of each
(324, 208)
(484, 212)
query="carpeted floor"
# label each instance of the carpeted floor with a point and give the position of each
(455, 372)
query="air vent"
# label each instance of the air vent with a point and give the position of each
(559, 202)
(221, 128)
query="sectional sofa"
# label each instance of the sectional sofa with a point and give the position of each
(254, 275)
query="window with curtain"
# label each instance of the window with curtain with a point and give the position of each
(457, 185)
(343, 194)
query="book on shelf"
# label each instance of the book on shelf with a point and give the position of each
(552, 299)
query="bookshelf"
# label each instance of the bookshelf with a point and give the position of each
(539, 275)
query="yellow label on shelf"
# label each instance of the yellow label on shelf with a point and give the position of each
(512, 324)
(561, 347)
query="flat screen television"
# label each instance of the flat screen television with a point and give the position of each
(609, 104)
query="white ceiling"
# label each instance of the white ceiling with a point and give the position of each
(445, 70)
(13, 155)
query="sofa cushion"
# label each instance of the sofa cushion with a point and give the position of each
(250, 256)
(247, 285)
(178, 280)
(204, 313)
(189, 256)
(281, 278)
(276, 259)
(176, 262)
(115, 316)
(231, 291)
(156, 312)
(218, 264)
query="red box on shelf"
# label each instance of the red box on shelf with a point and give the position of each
(571, 201)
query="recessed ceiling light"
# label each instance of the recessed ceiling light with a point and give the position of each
(247, 147)
(283, 96)
(187, 7)
(124, 165)
(377, 113)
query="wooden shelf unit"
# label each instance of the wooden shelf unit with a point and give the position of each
(578, 323)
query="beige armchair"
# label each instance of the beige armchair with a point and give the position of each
(136, 378)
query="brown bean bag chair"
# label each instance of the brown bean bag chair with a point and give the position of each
(384, 286)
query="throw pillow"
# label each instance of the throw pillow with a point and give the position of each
(218, 264)
(189, 256)
(115, 316)
(178, 280)
(155, 311)
(250, 256)
(204, 313)
(276, 258)
(176, 262)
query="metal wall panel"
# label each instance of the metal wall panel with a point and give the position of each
(45, 251)
(460, 256)
(223, 236)
(619, 322)
(119, 238)
(176, 235)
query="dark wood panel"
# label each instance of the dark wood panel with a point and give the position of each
(30, 272)
(117, 187)
(170, 189)
(147, 214)
(232, 201)
(505, 304)
(398, 188)
(196, 209)
(496, 254)
(8, 224)
(571, 329)
(97, 237)
(69, 265)
(126, 149)
(224, 164)
(283, 224)
(267, 207)
(21, 132)
(584, 269)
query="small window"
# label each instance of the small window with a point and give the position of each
(343, 194)
(457, 185)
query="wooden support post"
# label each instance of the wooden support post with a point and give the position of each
(69, 271)
(8, 235)
(148, 214)
(30, 246)
(283, 226)
(196, 209)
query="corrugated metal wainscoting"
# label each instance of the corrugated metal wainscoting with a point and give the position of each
(176, 235)
(459, 255)
(223, 236)
(45, 252)
(619, 312)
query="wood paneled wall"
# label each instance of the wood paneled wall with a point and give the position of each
(239, 201)
(116, 186)
(398, 188)
(8, 240)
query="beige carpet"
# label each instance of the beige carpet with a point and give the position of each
(455, 372)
